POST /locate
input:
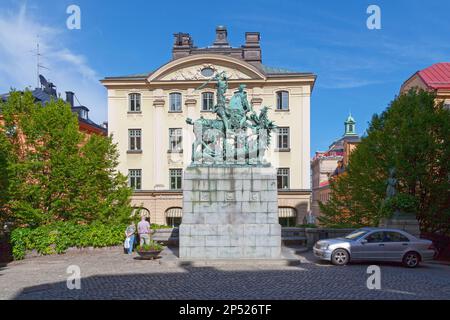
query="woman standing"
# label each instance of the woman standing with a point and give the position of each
(130, 234)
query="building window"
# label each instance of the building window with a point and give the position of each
(175, 140)
(283, 178)
(174, 216)
(135, 102)
(282, 100)
(135, 179)
(283, 138)
(83, 114)
(175, 179)
(207, 101)
(287, 217)
(134, 136)
(207, 72)
(175, 102)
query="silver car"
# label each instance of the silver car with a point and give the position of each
(375, 244)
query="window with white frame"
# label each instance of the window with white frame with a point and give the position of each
(175, 102)
(282, 100)
(175, 178)
(134, 136)
(175, 140)
(283, 138)
(135, 179)
(283, 178)
(134, 102)
(207, 101)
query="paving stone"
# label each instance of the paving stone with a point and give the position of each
(110, 274)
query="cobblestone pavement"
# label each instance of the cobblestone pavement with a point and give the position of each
(109, 274)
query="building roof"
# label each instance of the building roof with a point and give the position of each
(268, 70)
(249, 52)
(350, 119)
(339, 143)
(436, 76)
(46, 94)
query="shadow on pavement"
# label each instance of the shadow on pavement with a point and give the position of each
(306, 281)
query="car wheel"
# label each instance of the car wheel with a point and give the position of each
(411, 259)
(340, 257)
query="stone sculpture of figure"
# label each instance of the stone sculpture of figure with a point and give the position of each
(220, 107)
(262, 121)
(240, 101)
(391, 189)
(239, 107)
(207, 133)
(212, 140)
(262, 128)
(222, 87)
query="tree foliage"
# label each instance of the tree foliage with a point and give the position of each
(52, 171)
(412, 135)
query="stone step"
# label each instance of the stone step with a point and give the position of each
(169, 257)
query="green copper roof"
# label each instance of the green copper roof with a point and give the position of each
(350, 126)
(350, 119)
(265, 69)
(268, 69)
(136, 75)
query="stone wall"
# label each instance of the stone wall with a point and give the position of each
(289, 236)
(230, 213)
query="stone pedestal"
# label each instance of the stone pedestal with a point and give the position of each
(404, 222)
(230, 213)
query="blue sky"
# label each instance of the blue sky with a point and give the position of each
(358, 69)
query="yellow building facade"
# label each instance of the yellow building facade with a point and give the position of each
(147, 119)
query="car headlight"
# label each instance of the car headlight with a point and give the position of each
(322, 246)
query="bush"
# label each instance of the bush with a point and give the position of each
(401, 202)
(153, 246)
(58, 237)
(306, 225)
(154, 226)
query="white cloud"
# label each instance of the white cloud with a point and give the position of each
(19, 33)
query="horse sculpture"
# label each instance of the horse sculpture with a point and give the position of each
(227, 138)
(208, 134)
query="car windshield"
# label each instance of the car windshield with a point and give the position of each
(356, 234)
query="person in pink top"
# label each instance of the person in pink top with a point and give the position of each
(144, 231)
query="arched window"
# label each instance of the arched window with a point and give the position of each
(134, 104)
(207, 101)
(282, 100)
(287, 216)
(138, 212)
(173, 216)
(175, 102)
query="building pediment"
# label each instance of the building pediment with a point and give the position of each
(190, 69)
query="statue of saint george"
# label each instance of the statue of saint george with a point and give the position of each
(233, 124)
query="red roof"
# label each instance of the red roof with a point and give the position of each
(437, 76)
(324, 183)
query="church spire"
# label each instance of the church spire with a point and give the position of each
(350, 126)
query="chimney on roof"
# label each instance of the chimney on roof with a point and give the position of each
(182, 45)
(221, 37)
(69, 98)
(252, 47)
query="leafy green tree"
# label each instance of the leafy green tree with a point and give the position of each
(4, 152)
(55, 172)
(412, 135)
